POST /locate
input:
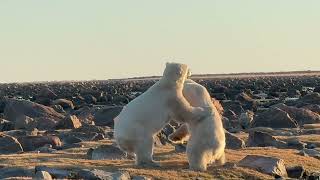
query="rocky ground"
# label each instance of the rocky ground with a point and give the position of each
(65, 129)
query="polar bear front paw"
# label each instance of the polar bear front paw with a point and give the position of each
(201, 113)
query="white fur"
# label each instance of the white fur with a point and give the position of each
(146, 115)
(207, 141)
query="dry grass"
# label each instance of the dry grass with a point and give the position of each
(174, 165)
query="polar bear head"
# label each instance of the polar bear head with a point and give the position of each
(176, 72)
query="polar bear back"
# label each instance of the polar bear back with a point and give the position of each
(150, 104)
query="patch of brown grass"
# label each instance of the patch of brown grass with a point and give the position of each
(173, 165)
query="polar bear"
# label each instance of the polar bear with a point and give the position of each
(146, 115)
(207, 141)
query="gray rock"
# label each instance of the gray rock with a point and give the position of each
(262, 139)
(274, 118)
(16, 108)
(55, 173)
(42, 175)
(6, 125)
(297, 172)
(103, 175)
(31, 143)
(310, 152)
(269, 165)
(180, 148)
(64, 103)
(24, 122)
(109, 152)
(9, 145)
(296, 144)
(141, 178)
(234, 142)
(105, 116)
(10, 172)
(69, 122)
(301, 115)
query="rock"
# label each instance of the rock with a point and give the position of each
(58, 109)
(47, 93)
(45, 123)
(24, 122)
(98, 137)
(295, 143)
(6, 125)
(219, 96)
(105, 116)
(42, 175)
(297, 172)
(262, 139)
(10, 172)
(9, 145)
(310, 152)
(301, 115)
(33, 132)
(314, 176)
(246, 119)
(312, 98)
(66, 104)
(269, 165)
(16, 108)
(234, 142)
(312, 107)
(69, 122)
(109, 152)
(180, 148)
(87, 129)
(46, 149)
(72, 140)
(103, 175)
(274, 118)
(141, 178)
(310, 146)
(55, 173)
(31, 143)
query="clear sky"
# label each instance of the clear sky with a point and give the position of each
(101, 39)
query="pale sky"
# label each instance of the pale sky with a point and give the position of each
(101, 39)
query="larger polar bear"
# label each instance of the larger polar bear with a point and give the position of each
(207, 141)
(146, 115)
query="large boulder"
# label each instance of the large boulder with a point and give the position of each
(69, 122)
(9, 145)
(105, 116)
(110, 152)
(274, 118)
(100, 174)
(16, 108)
(301, 115)
(15, 173)
(269, 165)
(24, 122)
(66, 104)
(234, 142)
(6, 125)
(262, 139)
(31, 143)
(312, 98)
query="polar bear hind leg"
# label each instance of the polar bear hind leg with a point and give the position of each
(198, 160)
(144, 152)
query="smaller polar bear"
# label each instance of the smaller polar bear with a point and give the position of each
(207, 141)
(146, 115)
